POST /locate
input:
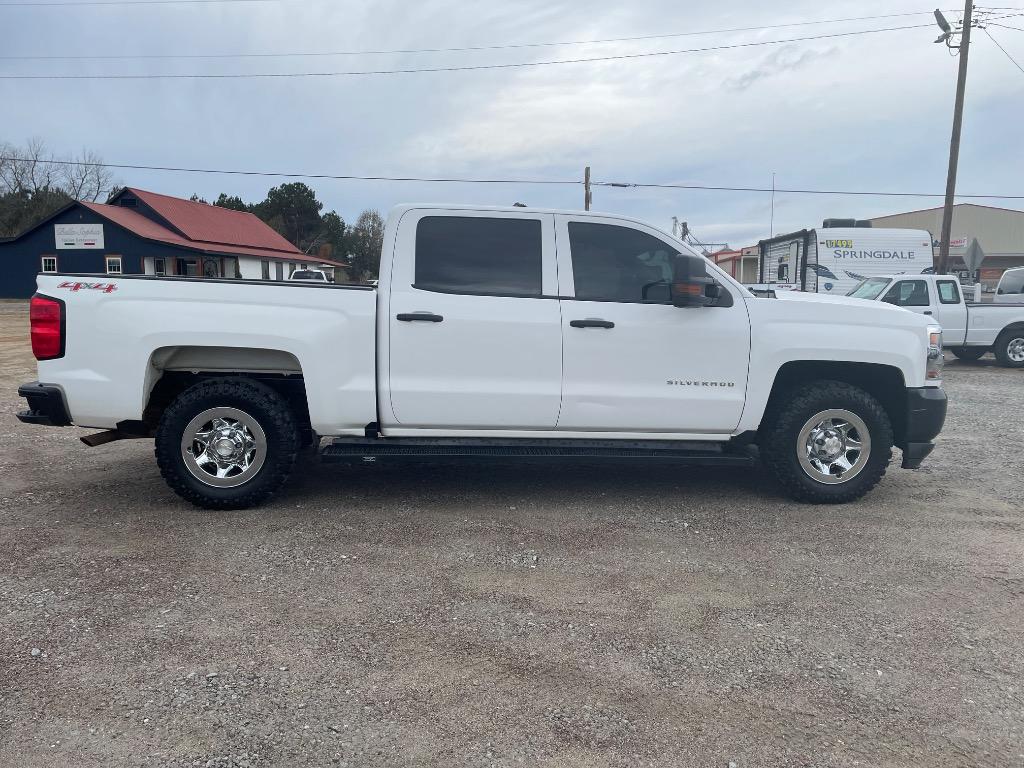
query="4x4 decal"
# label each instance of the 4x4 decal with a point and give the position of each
(105, 287)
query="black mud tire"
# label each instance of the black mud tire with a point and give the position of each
(779, 435)
(969, 354)
(1002, 347)
(267, 407)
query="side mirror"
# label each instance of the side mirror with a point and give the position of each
(691, 286)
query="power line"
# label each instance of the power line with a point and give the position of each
(508, 46)
(461, 180)
(1018, 66)
(88, 3)
(1006, 26)
(781, 190)
(463, 68)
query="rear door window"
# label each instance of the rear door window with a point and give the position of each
(949, 292)
(479, 255)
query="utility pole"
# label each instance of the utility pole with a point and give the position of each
(586, 189)
(954, 143)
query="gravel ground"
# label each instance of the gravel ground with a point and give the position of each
(571, 615)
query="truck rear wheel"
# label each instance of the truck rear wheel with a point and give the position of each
(227, 443)
(1009, 348)
(829, 443)
(969, 354)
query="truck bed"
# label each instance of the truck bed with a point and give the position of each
(123, 332)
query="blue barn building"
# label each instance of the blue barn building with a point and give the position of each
(140, 232)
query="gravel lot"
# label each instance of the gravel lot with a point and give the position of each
(571, 615)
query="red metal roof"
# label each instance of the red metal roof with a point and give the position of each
(213, 224)
(255, 238)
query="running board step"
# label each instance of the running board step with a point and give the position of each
(472, 449)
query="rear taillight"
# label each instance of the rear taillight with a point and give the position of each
(46, 318)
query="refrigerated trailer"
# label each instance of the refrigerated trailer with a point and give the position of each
(835, 259)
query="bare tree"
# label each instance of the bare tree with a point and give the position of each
(25, 169)
(34, 183)
(32, 168)
(85, 177)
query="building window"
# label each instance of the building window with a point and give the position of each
(49, 264)
(113, 265)
(159, 267)
(266, 269)
(280, 270)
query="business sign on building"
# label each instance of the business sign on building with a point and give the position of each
(77, 236)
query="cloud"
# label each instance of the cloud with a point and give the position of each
(785, 59)
(864, 112)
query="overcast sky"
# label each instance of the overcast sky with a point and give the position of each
(867, 112)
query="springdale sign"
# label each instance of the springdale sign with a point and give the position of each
(78, 236)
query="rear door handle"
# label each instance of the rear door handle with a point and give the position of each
(591, 323)
(419, 317)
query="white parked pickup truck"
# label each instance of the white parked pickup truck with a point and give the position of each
(969, 329)
(495, 333)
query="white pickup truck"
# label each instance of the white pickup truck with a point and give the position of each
(495, 333)
(969, 329)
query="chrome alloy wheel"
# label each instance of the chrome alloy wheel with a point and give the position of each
(223, 447)
(1015, 350)
(833, 446)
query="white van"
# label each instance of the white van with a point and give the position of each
(1010, 289)
(835, 259)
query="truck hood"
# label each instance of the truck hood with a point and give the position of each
(844, 308)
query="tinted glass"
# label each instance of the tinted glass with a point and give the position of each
(1012, 281)
(870, 288)
(613, 263)
(474, 254)
(908, 293)
(305, 274)
(949, 292)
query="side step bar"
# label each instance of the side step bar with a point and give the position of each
(360, 450)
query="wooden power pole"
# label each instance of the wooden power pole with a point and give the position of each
(586, 189)
(954, 143)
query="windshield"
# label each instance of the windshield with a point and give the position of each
(305, 274)
(869, 289)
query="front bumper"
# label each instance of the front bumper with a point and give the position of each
(926, 413)
(45, 405)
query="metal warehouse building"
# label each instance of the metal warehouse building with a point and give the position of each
(139, 232)
(1000, 233)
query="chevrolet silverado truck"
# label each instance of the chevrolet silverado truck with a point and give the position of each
(969, 329)
(494, 334)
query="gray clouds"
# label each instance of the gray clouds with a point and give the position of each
(869, 112)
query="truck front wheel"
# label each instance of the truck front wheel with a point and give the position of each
(227, 443)
(828, 443)
(1009, 348)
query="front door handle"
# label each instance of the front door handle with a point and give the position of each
(419, 317)
(592, 323)
(927, 312)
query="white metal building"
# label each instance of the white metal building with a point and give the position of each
(1000, 233)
